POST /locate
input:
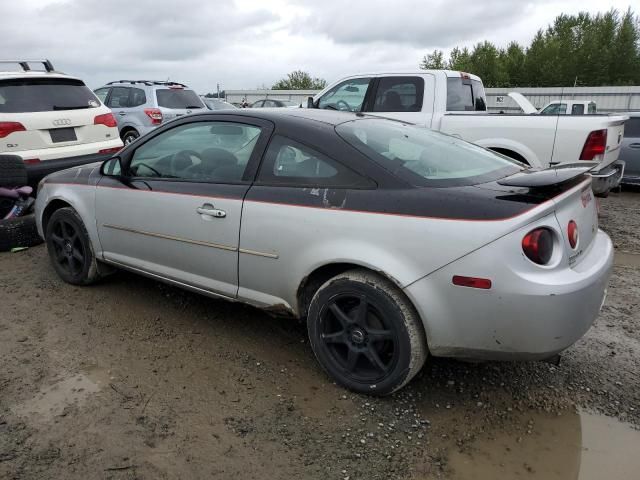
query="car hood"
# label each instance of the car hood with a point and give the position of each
(88, 174)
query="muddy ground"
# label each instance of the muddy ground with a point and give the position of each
(133, 379)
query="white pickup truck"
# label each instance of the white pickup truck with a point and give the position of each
(455, 103)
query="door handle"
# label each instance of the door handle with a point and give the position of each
(634, 145)
(211, 212)
(122, 114)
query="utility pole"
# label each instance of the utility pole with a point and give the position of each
(218, 89)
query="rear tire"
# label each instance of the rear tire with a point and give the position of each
(13, 172)
(19, 232)
(365, 333)
(129, 137)
(70, 248)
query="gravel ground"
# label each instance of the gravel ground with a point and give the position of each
(134, 379)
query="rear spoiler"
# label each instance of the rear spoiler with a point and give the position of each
(551, 176)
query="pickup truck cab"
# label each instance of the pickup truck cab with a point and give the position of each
(455, 103)
(569, 107)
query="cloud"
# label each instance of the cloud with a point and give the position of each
(250, 43)
(411, 22)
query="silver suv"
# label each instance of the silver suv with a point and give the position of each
(142, 105)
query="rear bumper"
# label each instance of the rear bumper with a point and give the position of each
(608, 178)
(523, 316)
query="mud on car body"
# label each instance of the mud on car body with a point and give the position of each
(393, 242)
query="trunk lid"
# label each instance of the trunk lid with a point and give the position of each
(579, 206)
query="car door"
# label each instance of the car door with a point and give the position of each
(174, 210)
(119, 104)
(630, 148)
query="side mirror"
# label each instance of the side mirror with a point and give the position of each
(112, 167)
(310, 103)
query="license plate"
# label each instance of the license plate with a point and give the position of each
(63, 135)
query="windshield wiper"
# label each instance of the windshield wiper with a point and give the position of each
(74, 107)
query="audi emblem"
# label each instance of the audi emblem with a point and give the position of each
(61, 122)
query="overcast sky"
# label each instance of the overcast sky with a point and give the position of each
(251, 43)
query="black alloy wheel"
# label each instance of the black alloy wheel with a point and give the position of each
(68, 251)
(359, 339)
(365, 333)
(69, 248)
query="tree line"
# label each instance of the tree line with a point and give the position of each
(582, 50)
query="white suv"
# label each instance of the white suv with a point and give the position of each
(52, 120)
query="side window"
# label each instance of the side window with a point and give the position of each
(199, 151)
(399, 94)
(346, 96)
(119, 97)
(138, 97)
(102, 93)
(632, 128)
(555, 109)
(592, 108)
(269, 104)
(288, 162)
(258, 104)
(577, 109)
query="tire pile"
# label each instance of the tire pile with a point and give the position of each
(17, 220)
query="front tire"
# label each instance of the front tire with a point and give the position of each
(70, 248)
(365, 333)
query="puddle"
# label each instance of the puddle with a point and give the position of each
(569, 447)
(51, 401)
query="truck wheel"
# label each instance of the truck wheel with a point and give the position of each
(70, 248)
(365, 333)
(13, 172)
(19, 232)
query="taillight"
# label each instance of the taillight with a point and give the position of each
(7, 128)
(537, 245)
(110, 150)
(106, 119)
(572, 233)
(154, 114)
(595, 145)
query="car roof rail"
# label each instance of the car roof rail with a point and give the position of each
(24, 64)
(148, 82)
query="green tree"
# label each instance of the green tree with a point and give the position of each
(299, 80)
(433, 61)
(582, 49)
(485, 62)
(460, 60)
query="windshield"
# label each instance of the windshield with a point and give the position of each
(423, 157)
(178, 98)
(465, 95)
(45, 95)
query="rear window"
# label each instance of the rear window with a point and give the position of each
(465, 95)
(423, 157)
(178, 98)
(45, 95)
